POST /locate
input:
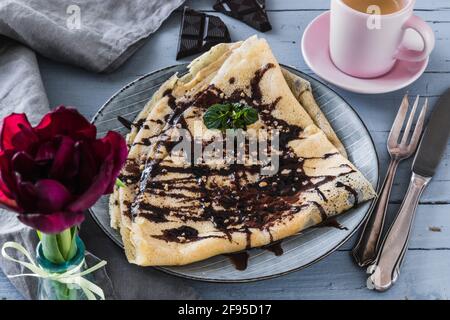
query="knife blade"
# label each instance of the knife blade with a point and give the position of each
(435, 138)
(395, 244)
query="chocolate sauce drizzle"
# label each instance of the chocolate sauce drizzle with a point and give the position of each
(243, 205)
(183, 234)
(349, 190)
(332, 223)
(240, 259)
(125, 122)
(129, 124)
(275, 248)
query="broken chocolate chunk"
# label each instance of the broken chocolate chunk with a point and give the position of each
(199, 32)
(251, 12)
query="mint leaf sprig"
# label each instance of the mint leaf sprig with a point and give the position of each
(229, 116)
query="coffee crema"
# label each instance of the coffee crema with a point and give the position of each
(384, 6)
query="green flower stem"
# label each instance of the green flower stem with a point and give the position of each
(73, 244)
(64, 243)
(61, 247)
(50, 248)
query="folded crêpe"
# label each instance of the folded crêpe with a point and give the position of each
(174, 212)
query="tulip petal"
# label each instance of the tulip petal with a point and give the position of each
(23, 164)
(7, 178)
(67, 122)
(26, 195)
(62, 163)
(52, 223)
(46, 152)
(7, 203)
(98, 187)
(17, 133)
(88, 166)
(120, 153)
(52, 196)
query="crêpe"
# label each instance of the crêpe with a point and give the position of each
(176, 213)
(300, 88)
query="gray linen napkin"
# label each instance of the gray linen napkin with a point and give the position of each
(21, 90)
(96, 35)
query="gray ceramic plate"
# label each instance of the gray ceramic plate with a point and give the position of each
(301, 250)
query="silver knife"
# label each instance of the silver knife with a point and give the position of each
(386, 268)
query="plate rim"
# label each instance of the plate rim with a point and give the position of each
(260, 278)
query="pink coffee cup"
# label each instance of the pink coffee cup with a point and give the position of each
(367, 45)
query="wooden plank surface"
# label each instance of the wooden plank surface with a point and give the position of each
(423, 277)
(425, 274)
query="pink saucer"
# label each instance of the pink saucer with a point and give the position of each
(315, 48)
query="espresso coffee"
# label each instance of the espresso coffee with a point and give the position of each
(384, 6)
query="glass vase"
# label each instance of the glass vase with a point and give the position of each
(49, 289)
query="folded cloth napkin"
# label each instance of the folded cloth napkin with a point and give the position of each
(113, 29)
(96, 35)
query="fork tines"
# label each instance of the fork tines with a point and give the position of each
(399, 123)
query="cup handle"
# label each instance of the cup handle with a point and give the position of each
(427, 34)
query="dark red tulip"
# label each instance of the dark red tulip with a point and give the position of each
(51, 173)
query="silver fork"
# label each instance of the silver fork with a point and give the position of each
(366, 249)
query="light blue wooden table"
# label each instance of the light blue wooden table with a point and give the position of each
(425, 274)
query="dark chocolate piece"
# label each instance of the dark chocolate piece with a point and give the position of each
(199, 32)
(251, 12)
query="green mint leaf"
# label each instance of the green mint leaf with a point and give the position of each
(229, 116)
(250, 116)
(216, 116)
